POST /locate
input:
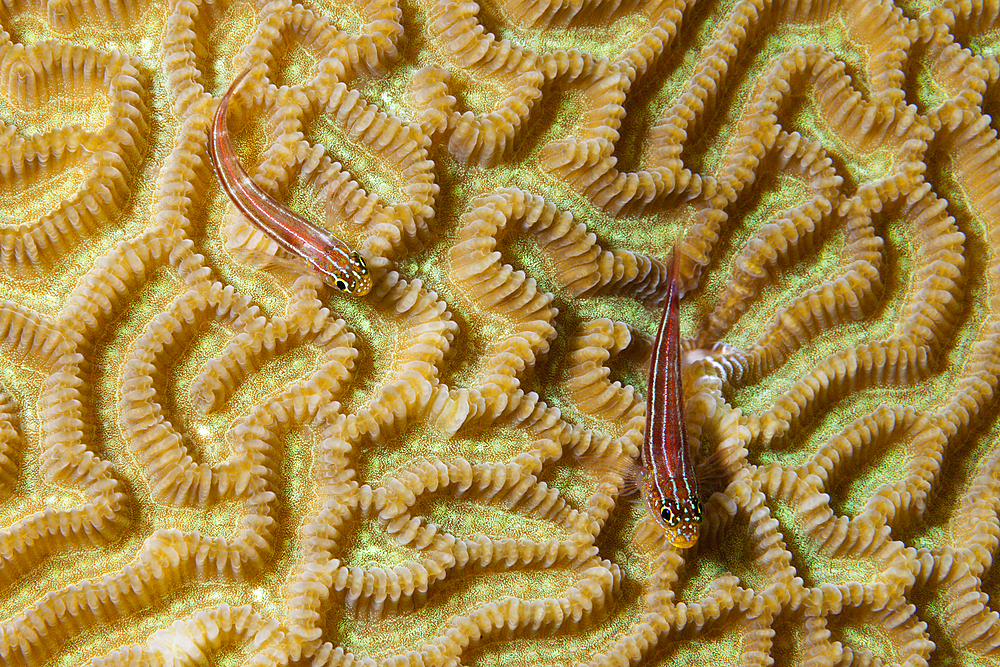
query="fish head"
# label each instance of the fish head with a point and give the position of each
(680, 517)
(352, 277)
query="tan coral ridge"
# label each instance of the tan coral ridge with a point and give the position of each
(102, 156)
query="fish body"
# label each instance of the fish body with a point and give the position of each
(668, 480)
(336, 264)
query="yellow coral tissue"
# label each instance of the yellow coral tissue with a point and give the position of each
(207, 457)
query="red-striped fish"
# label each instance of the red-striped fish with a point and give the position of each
(336, 264)
(669, 481)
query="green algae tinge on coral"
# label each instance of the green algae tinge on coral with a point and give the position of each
(208, 458)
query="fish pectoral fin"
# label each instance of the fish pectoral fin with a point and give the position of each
(711, 472)
(602, 466)
(632, 484)
(259, 259)
(647, 534)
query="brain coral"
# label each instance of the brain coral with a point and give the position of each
(207, 458)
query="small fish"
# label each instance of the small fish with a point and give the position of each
(336, 264)
(668, 477)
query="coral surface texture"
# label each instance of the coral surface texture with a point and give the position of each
(209, 457)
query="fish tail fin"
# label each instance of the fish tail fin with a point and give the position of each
(239, 79)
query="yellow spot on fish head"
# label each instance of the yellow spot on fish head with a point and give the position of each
(684, 535)
(680, 520)
(350, 276)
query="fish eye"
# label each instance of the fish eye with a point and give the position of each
(341, 285)
(698, 508)
(666, 514)
(362, 266)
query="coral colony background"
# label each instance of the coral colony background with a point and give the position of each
(206, 458)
